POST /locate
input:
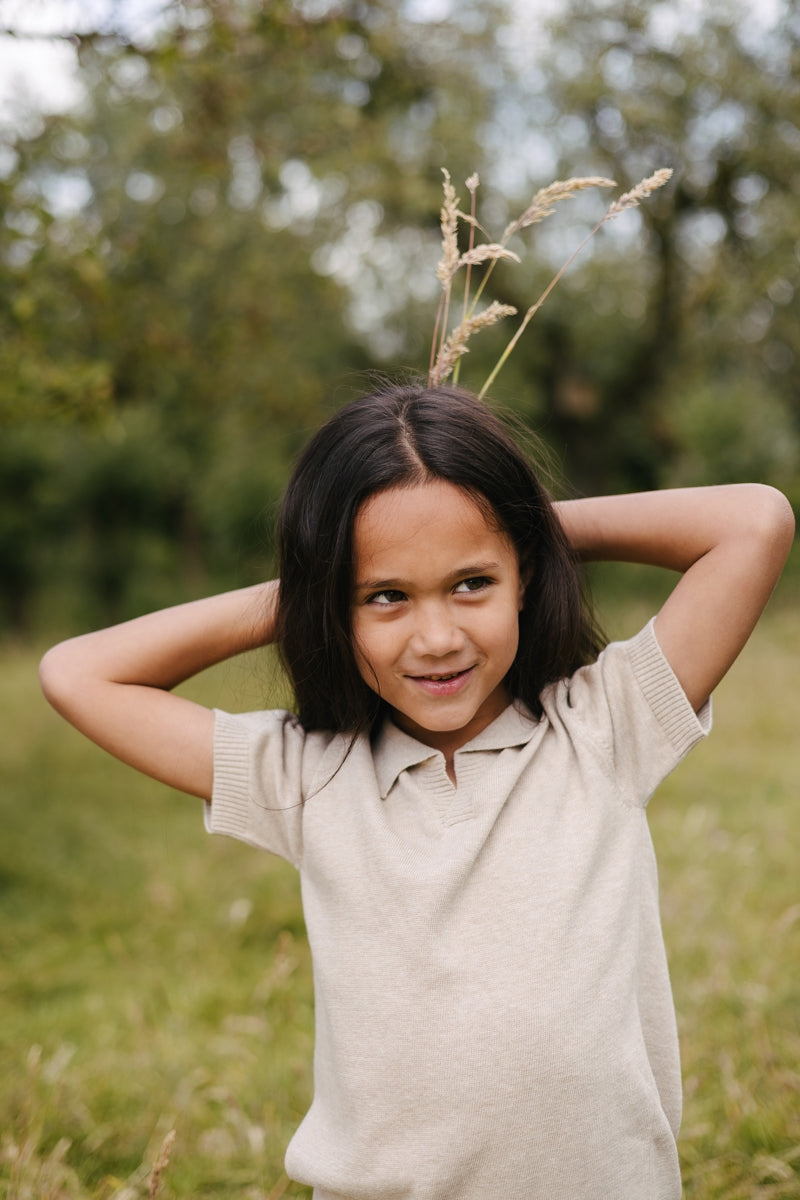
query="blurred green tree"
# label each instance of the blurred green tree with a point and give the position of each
(671, 354)
(172, 261)
(242, 217)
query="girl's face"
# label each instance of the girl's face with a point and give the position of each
(437, 595)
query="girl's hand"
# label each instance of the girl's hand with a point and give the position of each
(730, 543)
(114, 685)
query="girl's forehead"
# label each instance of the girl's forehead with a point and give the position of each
(435, 517)
(419, 502)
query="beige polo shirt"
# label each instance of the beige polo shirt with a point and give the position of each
(493, 1009)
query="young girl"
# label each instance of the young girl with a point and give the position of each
(462, 789)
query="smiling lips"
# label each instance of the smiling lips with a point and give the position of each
(442, 685)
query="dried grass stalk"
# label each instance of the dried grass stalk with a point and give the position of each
(470, 219)
(472, 185)
(456, 344)
(448, 263)
(485, 252)
(628, 200)
(543, 203)
(447, 351)
(161, 1164)
(642, 190)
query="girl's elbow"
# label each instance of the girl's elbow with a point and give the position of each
(58, 676)
(771, 522)
(778, 518)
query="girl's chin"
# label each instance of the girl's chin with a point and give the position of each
(461, 719)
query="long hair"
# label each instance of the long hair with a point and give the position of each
(399, 436)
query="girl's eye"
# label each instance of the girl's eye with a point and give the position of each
(390, 596)
(475, 584)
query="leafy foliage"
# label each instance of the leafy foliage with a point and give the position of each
(693, 297)
(161, 321)
(242, 218)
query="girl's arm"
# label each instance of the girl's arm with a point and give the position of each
(729, 543)
(114, 685)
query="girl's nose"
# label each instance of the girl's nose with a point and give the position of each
(436, 633)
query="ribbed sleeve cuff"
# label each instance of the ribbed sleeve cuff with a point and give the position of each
(228, 812)
(664, 694)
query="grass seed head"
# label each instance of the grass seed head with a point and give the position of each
(484, 253)
(448, 264)
(448, 349)
(543, 203)
(456, 344)
(161, 1164)
(642, 190)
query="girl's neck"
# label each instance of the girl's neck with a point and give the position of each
(448, 741)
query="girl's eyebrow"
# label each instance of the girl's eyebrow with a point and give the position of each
(378, 585)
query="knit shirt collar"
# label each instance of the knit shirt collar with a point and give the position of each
(395, 751)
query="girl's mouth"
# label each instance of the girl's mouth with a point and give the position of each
(444, 684)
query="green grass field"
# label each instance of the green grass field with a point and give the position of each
(156, 979)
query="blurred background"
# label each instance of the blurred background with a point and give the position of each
(217, 214)
(218, 218)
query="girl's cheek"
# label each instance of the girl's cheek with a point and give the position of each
(368, 644)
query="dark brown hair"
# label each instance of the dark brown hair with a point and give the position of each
(398, 436)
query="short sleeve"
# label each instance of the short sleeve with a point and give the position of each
(263, 762)
(631, 705)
